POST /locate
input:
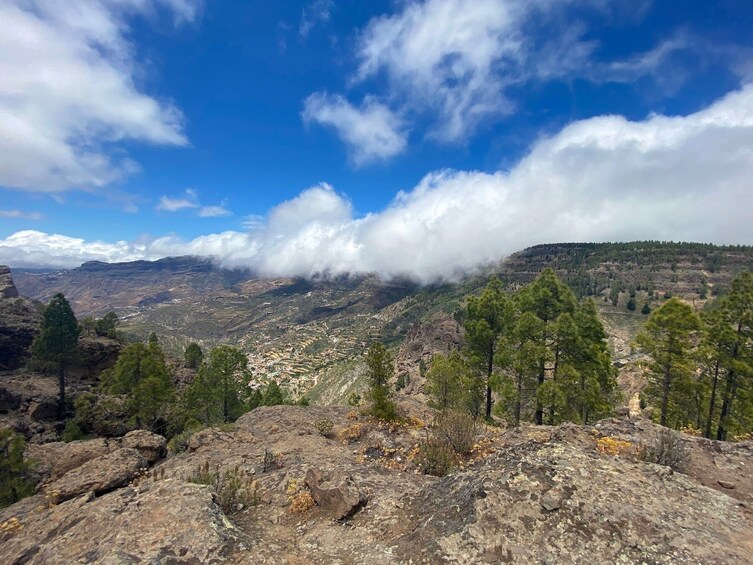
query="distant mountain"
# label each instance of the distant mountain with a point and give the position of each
(95, 287)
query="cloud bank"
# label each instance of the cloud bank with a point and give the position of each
(69, 94)
(601, 179)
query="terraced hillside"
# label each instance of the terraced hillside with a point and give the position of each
(304, 332)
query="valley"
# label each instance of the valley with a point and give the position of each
(303, 332)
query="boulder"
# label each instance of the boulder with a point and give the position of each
(335, 493)
(53, 460)
(99, 475)
(43, 409)
(9, 401)
(97, 354)
(151, 446)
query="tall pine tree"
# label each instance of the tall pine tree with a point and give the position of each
(669, 338)
(489, 315)
(56, 344)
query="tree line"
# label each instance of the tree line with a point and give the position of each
(700, 368)
(539, 354)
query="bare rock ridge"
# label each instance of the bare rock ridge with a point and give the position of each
(537, 495)
(7, 288)
(19, 323)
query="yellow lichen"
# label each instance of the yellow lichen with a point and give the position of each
(613, 446)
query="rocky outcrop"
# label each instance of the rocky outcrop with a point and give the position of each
(534, 494)
(439, 335)
(28, 404)
(20, 320)
(161, 522)
(151, 446)
(95, 355)
(53, 460)
(7, 288)
(99, 475)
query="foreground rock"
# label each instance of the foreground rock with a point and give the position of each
(100, 475)
(533, 495)
(53, 460)
(161, 522)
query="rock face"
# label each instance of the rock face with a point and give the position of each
(424, 340)
(53, 460)
(7, 288)
(96, 354)
(19, 323)
(533, 495)
(99, 475)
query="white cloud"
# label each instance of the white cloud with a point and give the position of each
(189, 200)
(214, 212)
(601, 179)
(461, 64)
(317, 12)
(18, 214)
(371, 132)
(69, 93)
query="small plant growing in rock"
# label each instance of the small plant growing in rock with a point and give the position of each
(233, 490)
(435, 458)
(270, 461)
(665, 448)
(324, 426)
(456, 429)
(352, 433)
(354, 399)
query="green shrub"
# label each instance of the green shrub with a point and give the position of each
(233, 490)
(16, 480)
(73, 432)
(665, 448)
(435, 457)
(456, 429)
(324, 426)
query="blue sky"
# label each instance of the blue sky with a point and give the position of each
(419, 138)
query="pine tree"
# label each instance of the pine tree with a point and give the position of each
(452, 385)
(142, 376)
(56, 343)
(668, 339)
(379, 372)
(272, 395)
(518, 356)
(15, 472)
(547, 298)
(193, 355)
(488, 316)
(219, 393)
(737, 310)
